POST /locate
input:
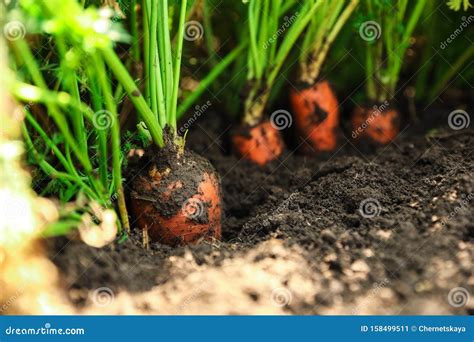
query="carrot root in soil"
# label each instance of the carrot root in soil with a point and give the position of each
(316, 114)
(261, 143)
(177, 198)
(315, 106)
(375, 126)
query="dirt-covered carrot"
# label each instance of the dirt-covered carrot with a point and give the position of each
(379, 124)
(177, 199)
(387, 28)
(273, 28)
(260, 143)
(176, 196)
(314, 104)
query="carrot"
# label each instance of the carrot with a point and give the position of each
(314, 105)
(377, 126)
(382, 30)
(177, 198)
(261, 143)
(316, 115)
(175, 195)
(257, 140)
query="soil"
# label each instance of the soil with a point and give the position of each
(386, 232)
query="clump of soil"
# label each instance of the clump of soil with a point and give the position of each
(384, 233)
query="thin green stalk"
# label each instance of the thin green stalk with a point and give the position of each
(209, 36)
(210, 77)
(432, 36)
(161, 97)
(60, 99)
(60, 228)
(253, 23)
(413, 20)
(263, 34)
(57, 152)
(146, 50)
(401, 9)
(119, 93)
(154, 76)
(370, 70)
(96, 100)
(450, 72)
(273, 24)
(115, 141)
(48, 169)
(388, 36)
(334, 29)
(177, 66)
(293, 33)
(70, 83)
(166, 55)
(381, 73)
(72, 174)
(23, 50)
(322, 24)
(137, 99)
(160, 42)
(134, 30)
(335, 14)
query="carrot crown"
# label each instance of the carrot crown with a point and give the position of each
(162, 65)
(321, 32)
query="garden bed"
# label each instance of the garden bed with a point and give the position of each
(387, 232)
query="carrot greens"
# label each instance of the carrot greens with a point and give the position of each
(387, 29)
(273, 30)
(82, 83)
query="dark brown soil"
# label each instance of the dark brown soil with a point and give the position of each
(391, 228)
